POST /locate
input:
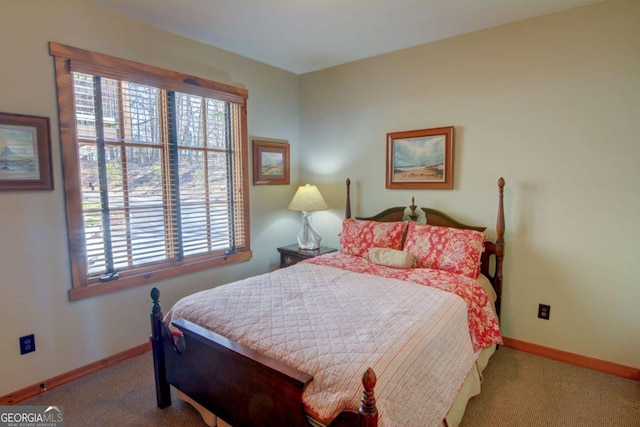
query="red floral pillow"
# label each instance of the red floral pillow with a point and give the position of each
(358, 236)
(444, 248)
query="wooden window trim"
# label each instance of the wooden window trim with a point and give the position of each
(70, 59)
(110, 66)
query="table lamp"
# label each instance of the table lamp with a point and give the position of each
(308, 199)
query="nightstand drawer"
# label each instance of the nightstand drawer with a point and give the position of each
(287, 260)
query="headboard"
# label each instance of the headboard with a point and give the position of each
(493, 249)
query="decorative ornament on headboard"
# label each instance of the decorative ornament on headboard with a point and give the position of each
(414, 213)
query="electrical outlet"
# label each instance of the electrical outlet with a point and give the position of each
(543, 311)
(27, 344)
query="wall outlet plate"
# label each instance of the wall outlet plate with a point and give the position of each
(543, 311)
(27, 344)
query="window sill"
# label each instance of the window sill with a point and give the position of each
(92, 290)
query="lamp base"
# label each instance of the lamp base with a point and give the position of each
(308, 237)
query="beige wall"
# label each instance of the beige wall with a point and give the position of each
(553, 105)
(34, 257)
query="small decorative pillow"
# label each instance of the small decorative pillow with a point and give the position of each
(444, 248)
(358, 236)
(391, 257)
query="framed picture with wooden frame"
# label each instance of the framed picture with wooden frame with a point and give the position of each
(25, 153)
(420, 159)
(270, 162)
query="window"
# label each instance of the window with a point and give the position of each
(154, 170)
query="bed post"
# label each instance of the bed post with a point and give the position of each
(163, 391)
(347, 212)
(499, 244)
(368, 413)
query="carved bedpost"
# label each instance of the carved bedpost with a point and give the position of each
(347, 213)
(499, 244)
(163, 391)
(368, 413)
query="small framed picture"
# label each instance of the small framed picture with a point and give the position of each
(270, 162)
(25, 153)
(420, 159)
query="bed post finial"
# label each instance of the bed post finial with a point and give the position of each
(156, 308)
(499, 244)
(347, 213)
(368, 413)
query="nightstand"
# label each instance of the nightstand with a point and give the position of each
(291, 254)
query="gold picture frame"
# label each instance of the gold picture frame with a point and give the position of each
(25, 153)
(270, 162)
(420, 159)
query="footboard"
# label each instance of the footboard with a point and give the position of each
(240, 385)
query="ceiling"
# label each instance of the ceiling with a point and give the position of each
(308, 35)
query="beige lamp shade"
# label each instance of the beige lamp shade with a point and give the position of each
(308, 199)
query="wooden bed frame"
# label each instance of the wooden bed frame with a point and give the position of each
(246, 388)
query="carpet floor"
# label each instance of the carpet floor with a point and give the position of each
(519, 390)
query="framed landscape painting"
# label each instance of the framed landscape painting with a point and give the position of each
(270, 163)
(25, 153)
(420, 159)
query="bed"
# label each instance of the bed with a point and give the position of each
(360, 337)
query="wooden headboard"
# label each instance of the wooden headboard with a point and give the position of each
(493, 249)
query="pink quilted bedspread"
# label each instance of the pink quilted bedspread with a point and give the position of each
(483, 324)
(334, 323)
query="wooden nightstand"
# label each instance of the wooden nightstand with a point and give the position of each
(291, 254)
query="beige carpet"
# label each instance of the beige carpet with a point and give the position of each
(519, 390)
(122, 395)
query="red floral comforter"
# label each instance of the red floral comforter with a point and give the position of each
(483, 324)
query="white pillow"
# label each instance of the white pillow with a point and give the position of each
(391, 257)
